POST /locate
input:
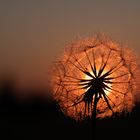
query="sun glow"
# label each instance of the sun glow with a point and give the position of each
(87, 77)
(95, 74)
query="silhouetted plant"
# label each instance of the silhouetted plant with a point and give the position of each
(95, 77)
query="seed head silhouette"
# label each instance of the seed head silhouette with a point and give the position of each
(95, 77)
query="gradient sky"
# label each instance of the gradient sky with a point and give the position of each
(34, 32)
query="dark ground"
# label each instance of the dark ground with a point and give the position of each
(36, 118)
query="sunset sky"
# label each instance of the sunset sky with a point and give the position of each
(34, 32)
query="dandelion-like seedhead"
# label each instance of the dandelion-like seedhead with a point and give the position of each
(95, 76)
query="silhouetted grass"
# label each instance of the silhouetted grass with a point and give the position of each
(40, 118)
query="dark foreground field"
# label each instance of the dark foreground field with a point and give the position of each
(36, 118)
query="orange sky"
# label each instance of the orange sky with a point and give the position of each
(33, 33)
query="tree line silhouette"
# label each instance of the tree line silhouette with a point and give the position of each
(40, 118)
